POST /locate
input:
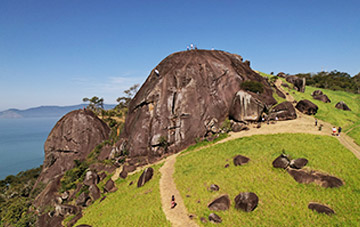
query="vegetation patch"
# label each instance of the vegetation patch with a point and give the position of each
(205, 142)
(252, 86)
(129, 205)
(281, 199)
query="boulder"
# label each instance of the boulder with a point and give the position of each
(82, 199)
(246, 201)
(64, 210)
(342, 106)
(299, 83)
(214, 188)
(320, 208)
(283, 111)
(220, 203)
(102, 176)
(298, 163)
(91, 178)
(281, 162)
(240, 160)
(238, 126)
(279, 93)
(73, 138)
(110, 186)
(281, 74)
(129, 168)
(94, 192)
(309, 176)
(214, 218)
(145, 176)
(319, 95)
(246, 106)
(176, 104)
(123, 174)
(306, 107)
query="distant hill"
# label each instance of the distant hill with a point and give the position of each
(44, 111)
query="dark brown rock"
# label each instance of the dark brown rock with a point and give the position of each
(214, 218)
(74, 219)
(238, 126)
(145, 176)
(73, 138)
(102, 199)
(203, 220)
(320, 208)
(306, 107)
(227, 165)
(299, 83)
(298, 163)
(246, 201)
(164, 108)
(281, 162)
(279, 93)
(102, 176)
(240, 160)
(322, 98)
(342, 106)
(281, 74)
(91, 178)
(123, 174)
(285, 85)
(64, 210)
(110, 186)
(82, 199)
(45, 220)
(317, 93)
(94, 192)
(214, 187)
(284, 111)
(309, 176)
(220, 203)
(129, 168)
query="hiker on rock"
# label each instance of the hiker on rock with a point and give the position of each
(316, 122)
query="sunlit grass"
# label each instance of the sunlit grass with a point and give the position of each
(129, 205)
(283, 202)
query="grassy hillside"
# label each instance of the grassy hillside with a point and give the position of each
(282, 201)
(129, 205)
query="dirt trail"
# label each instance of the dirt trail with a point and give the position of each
(179, 215)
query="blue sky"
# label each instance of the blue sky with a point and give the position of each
(60, 51)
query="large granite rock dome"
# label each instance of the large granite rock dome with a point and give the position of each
(187, 95)
(74, 136)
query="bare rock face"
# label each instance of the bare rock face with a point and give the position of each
(246, 201)
(320, 208)
(145, 176)
(185, 96)
(298, 163)
(237, 126)
(215, 218)
(299, 83)
(342, 106)
(307, 107)
(240, 160)
(110, 186)
(220, 203)
(281, 162)
(74, 136)
(309, 176)
(91, 178)
(246, 107)
(284, 111)
(94, 192)
(82, 199)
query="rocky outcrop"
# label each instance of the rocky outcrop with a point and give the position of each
(299, 83)
(94, 192)
(220, 203)
(245, 107)
(298, 163)
(237, 126)
(342, 106)
(283, 112)
(307, 107)
(177, 103)
(246, 201)
(319, 95)
(145, 176)
(110, 186)
(214, 218)
(91, 178)
(73, 138)
(240, 160)
(320, 208)
(310, 176)
(281, 162)
(214, 188)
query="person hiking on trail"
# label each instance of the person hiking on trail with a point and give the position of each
(173, 203)
(334, 131)
(316, 122)
(339, 130)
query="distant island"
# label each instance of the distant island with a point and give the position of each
(44, 111)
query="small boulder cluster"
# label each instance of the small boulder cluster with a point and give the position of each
(245, 201)
(300, 175)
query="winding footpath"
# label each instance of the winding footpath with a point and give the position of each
(179, 216)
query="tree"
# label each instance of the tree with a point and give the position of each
(129, 94)
(96, 104)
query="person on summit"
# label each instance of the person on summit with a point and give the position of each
(334, 131)
(339, 130)
(173, 203)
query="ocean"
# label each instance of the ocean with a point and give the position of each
(22, 143)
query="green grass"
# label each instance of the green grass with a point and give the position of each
(355, 133)
(206, 142)
(282, 201)
(129, 205)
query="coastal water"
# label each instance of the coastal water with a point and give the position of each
(22, 143)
